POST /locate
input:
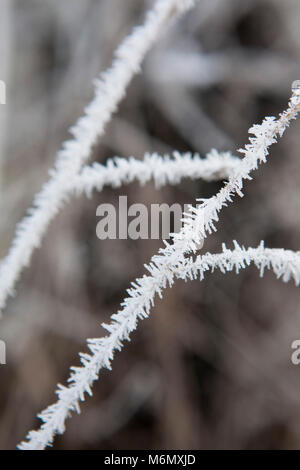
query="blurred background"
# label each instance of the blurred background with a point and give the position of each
(211, 367)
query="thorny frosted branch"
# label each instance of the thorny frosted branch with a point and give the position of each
(162, 169)
(201, 219)
(284, 263)
(117, 171)
(170, 263)
(110, 88)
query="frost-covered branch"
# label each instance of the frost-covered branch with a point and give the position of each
(162, 169)
(199, 221)
(284, 263)
(171, 262)
(117, 171)
(110, 88)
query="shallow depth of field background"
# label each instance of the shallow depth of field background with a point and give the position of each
(211, 367)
